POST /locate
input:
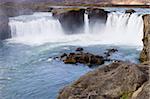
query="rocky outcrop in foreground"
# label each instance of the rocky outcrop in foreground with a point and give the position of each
(118, 80)
(145, 55)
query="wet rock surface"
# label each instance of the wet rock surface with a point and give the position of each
(86, 58)
(115, 81)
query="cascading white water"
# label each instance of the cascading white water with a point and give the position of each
(120, 28)
(37, 27)
(124, 28)
(86, 21)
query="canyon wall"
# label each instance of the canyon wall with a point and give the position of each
(145, 55)
(5, 13)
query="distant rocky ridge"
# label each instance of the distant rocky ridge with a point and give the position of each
(83, 1)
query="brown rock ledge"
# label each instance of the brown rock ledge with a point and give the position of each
(115, 81)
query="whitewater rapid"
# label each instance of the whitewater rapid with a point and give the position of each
(40, 28)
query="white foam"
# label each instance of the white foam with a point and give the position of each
(120, 29)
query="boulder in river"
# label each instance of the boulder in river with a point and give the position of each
(79, 49)
(110, 52)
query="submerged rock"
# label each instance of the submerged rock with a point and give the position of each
(145, 54)
(110, 52)
(114, 81)
(79, 49)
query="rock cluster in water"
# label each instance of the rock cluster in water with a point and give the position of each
(82, 57)
(118, 80)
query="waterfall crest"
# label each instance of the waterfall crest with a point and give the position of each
(37, 27)
(125, 28)
(120, 28)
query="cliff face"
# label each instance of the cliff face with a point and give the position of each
(145, 55)
(71, 21)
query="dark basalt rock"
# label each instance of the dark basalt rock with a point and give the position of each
(84, 58)
(80, 56)
(131, 11)
(110, 52)
(72, 21)
(79, 49)
(114, 81)
(97, 15)
(4, 28)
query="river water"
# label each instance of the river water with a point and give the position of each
(27, 70)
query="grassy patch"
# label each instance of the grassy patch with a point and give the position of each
(126, 95)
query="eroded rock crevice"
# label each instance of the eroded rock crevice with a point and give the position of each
(145, 54)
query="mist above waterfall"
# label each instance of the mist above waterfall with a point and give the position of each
(39, 28)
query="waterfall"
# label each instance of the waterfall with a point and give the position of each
(120, 28)
(86, 21)
(124, 28)
(37, 27)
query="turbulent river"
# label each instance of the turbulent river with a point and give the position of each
(26, 68)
